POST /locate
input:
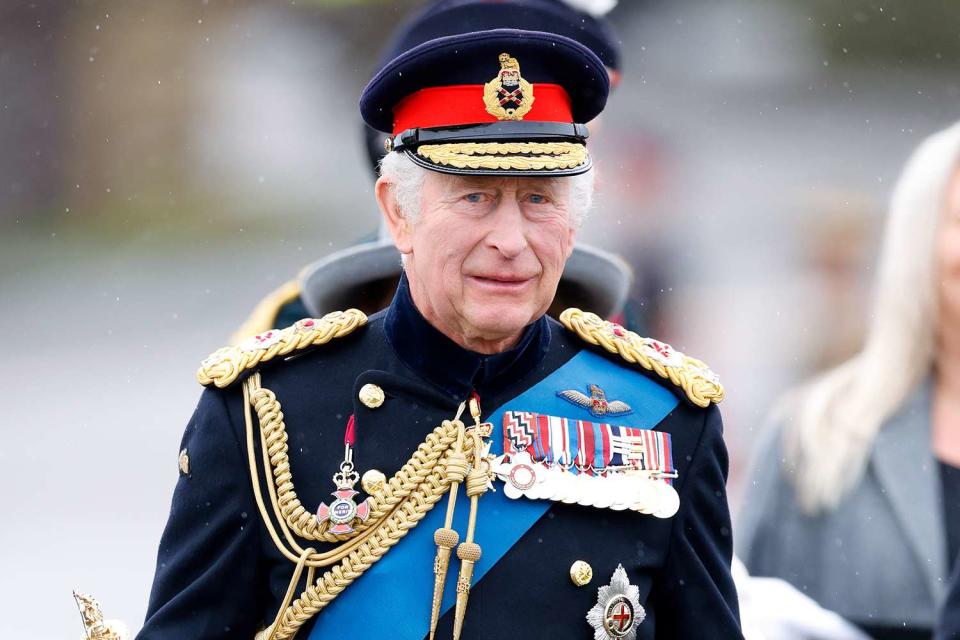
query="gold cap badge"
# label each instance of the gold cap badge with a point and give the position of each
(508, 96)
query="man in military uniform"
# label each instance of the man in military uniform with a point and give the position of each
(458, 464)
(365, 275)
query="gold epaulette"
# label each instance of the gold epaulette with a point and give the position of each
(701, 385)
(229, 363)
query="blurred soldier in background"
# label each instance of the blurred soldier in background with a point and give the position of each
(855, 495)
(365, 275)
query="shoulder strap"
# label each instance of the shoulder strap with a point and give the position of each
(701, 385)
(226, 365)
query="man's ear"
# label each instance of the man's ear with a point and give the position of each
(571, 236)
(397, 224)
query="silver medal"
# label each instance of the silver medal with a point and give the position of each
(603, 490)
(585, 488)
(668, 502)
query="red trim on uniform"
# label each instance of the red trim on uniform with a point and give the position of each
(588, 445)
(463, 104)
(349, 436)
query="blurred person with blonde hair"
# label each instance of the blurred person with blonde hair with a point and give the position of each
(855, 493)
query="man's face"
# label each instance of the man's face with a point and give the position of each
(486, 254)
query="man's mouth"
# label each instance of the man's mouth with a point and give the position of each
(503, 282)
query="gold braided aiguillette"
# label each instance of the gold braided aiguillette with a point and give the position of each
(446, 538)
(407, 497)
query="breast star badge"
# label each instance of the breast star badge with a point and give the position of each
(618, 612)
(596, 403)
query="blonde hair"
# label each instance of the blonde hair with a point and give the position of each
(837, 416)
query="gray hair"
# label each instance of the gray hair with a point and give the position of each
(407, 178)
(838, 415)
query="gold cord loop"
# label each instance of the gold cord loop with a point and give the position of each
(407, 497)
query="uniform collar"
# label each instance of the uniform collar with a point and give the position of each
(447, 365)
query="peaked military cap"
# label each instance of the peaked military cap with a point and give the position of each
(498, 102)
(450, 17)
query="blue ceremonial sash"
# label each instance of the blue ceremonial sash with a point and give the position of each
(392, 599)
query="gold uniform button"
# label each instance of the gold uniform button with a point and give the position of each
(373, 481)
(581, 573)
(371, 396)
(184, 462)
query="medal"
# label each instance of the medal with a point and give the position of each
(618, 611)
(344, 511)
(668, 501)
(549, 489)
(603, 496)
(619, 485)
(568, 486)
(616, 467)
(521, 475)
(585, 488)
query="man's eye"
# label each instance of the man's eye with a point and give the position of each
(474, 197)
(537, 198)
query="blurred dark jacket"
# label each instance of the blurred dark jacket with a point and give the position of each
(879, 558)
(949, 628)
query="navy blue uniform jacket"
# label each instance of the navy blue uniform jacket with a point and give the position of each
(220, 576)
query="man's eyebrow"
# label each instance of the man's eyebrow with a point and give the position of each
(468, 182)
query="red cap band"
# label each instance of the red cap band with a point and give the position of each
(463, 104)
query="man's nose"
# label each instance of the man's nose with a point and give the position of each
(508, 234)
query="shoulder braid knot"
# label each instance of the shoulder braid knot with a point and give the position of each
(701, 385)
(225, 365)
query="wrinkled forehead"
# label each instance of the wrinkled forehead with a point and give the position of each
(555, 185)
